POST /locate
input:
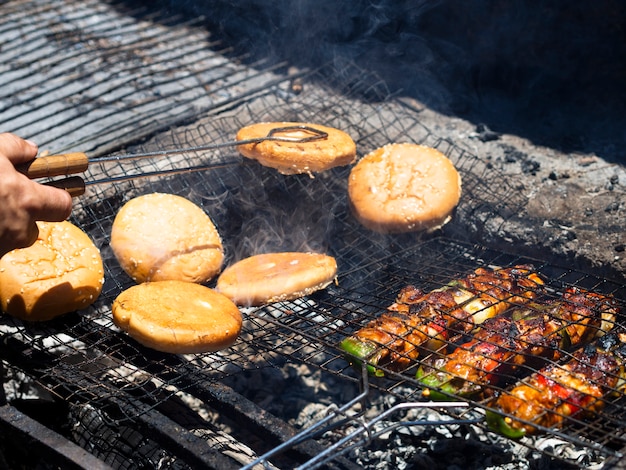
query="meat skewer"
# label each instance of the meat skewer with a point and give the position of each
(420, 322)
(551, 395)
(525, 337)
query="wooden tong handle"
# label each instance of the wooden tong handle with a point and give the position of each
(74, 185)
(55, 165)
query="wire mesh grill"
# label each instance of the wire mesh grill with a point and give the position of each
(84, 359)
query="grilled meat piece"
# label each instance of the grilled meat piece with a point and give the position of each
(417, 321)
(551, 395)
(525, 337)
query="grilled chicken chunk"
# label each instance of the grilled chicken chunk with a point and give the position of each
(550, 396)
(419, 322)
(525, 337)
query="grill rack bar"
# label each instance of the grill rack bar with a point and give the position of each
(364, 433)
(43, 442)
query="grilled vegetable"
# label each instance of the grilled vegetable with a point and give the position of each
(551, 395)
(419, 321)
(527, 336)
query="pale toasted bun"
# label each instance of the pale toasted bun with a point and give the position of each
(61, 272)
(274, 277)
(177, 317)
(158, 237)
(297, 157)
(404, 188)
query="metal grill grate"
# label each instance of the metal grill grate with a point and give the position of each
(84, 359)
(130, 78)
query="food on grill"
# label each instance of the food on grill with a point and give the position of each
(525, 337)
(420, 322)
(60, 273)
(177, 317)
(404, 188)
(550, 396)
(273, 277)
(159, 236)
(336, 149)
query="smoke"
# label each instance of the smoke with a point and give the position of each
(551, 73)
(278, 213)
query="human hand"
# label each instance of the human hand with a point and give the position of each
(23, 201)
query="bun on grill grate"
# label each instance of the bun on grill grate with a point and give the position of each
(177, 317)
(273, 277)
(159, 236)
(60, 273)
(297, 157)
(404, 188)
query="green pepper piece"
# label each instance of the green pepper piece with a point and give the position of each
(439, 386)
(359, 351)
(497, 423)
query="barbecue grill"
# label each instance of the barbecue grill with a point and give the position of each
(284, 396)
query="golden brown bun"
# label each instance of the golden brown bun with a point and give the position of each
(273, 277)
(60, 273)
(158, 237)
(297, 157)
(404, 188)
(177, 317)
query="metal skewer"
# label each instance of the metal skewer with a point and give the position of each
(78, 162)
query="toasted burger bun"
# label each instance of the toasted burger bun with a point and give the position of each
(274, 277)
(177, 317)
(404, 188)
(159, 237)
(297, 157)
(60, 273)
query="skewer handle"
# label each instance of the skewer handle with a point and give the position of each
(55, 165)
(74, 185)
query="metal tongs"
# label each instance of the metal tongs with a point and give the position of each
(78, 162)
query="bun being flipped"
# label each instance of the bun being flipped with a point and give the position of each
(336, 149)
